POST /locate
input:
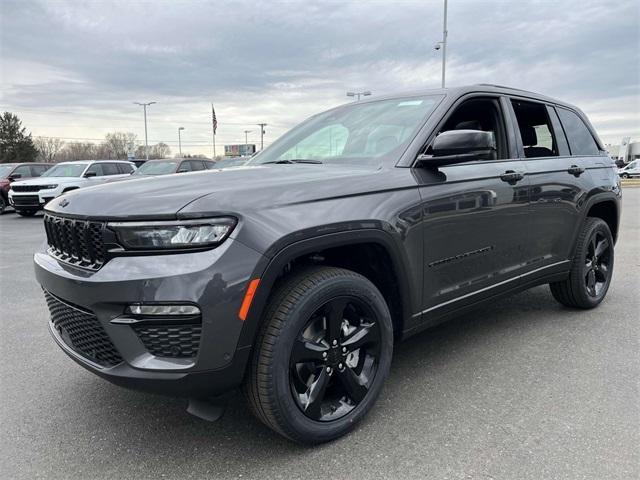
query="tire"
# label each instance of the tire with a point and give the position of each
(27, 212)
(305, 301)
(591, 270)
(3, 204)
(625, 175)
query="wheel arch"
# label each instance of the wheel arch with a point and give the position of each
(272, 269)
(607, 208)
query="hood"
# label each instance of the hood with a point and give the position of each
(215, 191)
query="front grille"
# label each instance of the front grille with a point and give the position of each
(78, 242)
(27, 188)
(26, 200)
(175, 341)
(82, 332)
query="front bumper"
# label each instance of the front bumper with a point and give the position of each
(215, 280)
(31, 200)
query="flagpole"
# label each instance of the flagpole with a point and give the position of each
(214, 125)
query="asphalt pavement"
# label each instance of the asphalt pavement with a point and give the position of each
(521, 389)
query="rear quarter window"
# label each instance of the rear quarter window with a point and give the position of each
(581, 142)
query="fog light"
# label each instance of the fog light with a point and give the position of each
(163, 310)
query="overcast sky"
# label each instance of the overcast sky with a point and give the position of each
(73, 69)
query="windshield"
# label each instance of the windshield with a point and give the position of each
(357, 133)
(157, 168)
(66, 170)
(6, 170)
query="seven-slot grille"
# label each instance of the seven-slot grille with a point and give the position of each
(82, 332)
(27, 188)
(78, 242)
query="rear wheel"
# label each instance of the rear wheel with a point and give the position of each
(591, 270)
(29, 212)
(322, 355)
(3, 204)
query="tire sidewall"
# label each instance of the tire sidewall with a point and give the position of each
(295, 420)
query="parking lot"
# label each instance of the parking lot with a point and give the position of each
(522, 389)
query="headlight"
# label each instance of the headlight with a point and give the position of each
(174, 234)
(50, 187)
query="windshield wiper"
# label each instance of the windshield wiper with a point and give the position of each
(295, 160)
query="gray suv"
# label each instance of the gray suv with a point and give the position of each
(293, 278)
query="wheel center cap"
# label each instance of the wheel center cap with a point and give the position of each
(334, 357)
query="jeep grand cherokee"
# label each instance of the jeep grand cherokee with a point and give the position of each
(294, 277)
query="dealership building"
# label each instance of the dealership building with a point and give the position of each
(627, 151)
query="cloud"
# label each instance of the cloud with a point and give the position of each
(73, 69)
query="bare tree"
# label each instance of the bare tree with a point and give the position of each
(78, 151)
(159, 150)
(120, 144)
(48, 148)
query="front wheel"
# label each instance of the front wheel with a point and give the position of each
(591, 270)
(625, 175)
(322, 355)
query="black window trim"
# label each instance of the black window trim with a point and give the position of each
(516, 128)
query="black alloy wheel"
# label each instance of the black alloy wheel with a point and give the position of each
(334, 359)
(597, 264)
(591, 268)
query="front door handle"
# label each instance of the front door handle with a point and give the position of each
(575, 170)
(511, 176)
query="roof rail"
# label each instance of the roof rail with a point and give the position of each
(501, 86)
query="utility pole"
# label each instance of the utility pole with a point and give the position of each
(261, 125)
(366, 93)
(443, 44)
(180, 140)
(146, 142)
(246, 142)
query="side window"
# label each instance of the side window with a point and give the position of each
(97, 168)
(23, 171)
(209, 165)
(110, 169)
(185, 166)
(37, 170)
(197, 165)
(125, 168)
(480, 114)
(535, 128)
(580, 139)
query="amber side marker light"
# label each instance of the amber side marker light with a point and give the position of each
(248, 298)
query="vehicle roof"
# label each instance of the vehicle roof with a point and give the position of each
(462, 90)
(25, 163)
(94, 161)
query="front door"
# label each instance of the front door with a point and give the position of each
(475, 216)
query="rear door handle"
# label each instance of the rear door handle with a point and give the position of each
(575, 170)
(511, 176)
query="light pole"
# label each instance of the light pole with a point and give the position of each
(443, 44)
(366, 93)
(146, 142)
(246, 142)
(180, 140)
(261, 125)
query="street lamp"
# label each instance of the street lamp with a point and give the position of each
(366, 93)
(146, 142)
(180, 141)
(443, 44)
(261, 125)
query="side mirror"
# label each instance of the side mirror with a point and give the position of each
(458, 146)
(89, 174)
(14, 176)
(182, 170)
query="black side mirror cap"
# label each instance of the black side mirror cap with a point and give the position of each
(458, 146)
(89, 174)
(14, 176)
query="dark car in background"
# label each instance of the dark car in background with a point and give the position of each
(293, 277)
(17, 171)
(167, 166)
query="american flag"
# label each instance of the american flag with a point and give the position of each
(214, 120)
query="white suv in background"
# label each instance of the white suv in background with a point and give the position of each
(29, 196)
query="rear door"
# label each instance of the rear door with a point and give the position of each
(559, 183)
(475, 215)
